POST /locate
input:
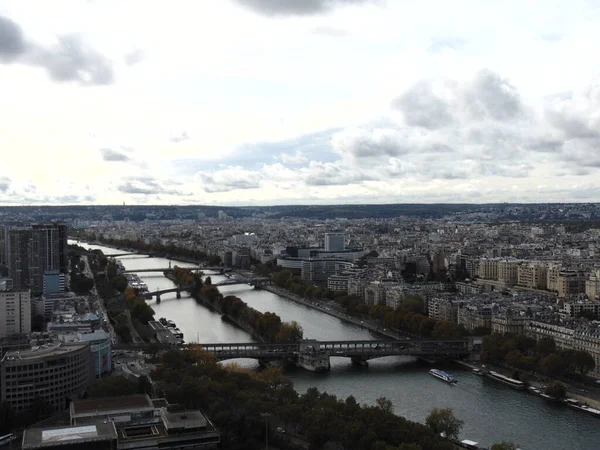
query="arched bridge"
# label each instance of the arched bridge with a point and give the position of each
(256, 282)
(157, 294)
(358, 351)
(170, 269)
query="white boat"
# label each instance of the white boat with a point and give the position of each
(477, 372)
(506, 380)
(442, 376)
(580, 406)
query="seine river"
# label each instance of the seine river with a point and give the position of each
(490, 411)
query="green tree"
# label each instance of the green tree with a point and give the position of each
(556, 389)
(443, 420)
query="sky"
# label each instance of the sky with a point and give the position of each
(267, 102)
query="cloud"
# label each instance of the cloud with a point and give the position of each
(296, 158)
(440, 44)
(70, 60)
(134, 57)
(12, 42)
(183, 136)
(229, 179)
(109, 154)
(294, 7)
(489, 96)
(4, 184)
(422, 108)
(330, 174)
(146, 185)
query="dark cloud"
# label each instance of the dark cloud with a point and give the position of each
(12, 43)
(4, 184)
(134, 57)
(179, 137)
(422, 108)
(70, 60)
(489, 96)
(295, 7)
(109, 154)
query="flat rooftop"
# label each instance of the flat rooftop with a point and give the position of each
(46, 350)
(186, 419)
(58, 437)
(110, 405)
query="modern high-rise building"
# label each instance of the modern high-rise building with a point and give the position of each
(34, 251)
(335, 242)
(15, 313)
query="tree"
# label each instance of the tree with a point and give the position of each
(556, 389)
(504, 445)
(385, 404)
(545, 346)
(552, 365)
(442, 420)
(583, 361)
(208, 280)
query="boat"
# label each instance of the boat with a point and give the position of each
(516, 384)
(471, 445)
(442, 376)
(477, 372)
(580, 406)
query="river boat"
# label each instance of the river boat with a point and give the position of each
(314, 361)
(580, 406)
(515, 384)
(443, 376)
(478, 372)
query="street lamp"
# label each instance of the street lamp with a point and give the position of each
(266, 416)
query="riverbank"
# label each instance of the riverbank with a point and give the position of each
(331, 311)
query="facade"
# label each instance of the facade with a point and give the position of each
(474, 316)
(55, 282)
(579, 309)
(570, 283)
(319, 270)
(563, 336)
(532, 275)
(335, 242)
(100, 349)
(507, 322)
(338, 283)
(394, 297)
(15, 313)
(443, 309)
(587, 338)
(56, 372)
(508, 270)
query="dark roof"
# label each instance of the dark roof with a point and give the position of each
(34, 438)
(110, 404)
(160, 402)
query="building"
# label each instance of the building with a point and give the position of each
(440, 308)
(570, 283)
(335, 242)
(394, 296)
(580, 309)
(488, 269)
(338, 283)
(100, 349)
(99, 436)
(533, 275)
(474, 316)
(563, 336)
(57, 373)
(319, 270)
(15, 312)
(35, 250)
(508, 322)
(587, 338)
(55, 282)
(508, 270)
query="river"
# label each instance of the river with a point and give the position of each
(491, 412)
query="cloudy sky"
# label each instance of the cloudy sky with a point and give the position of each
(299, 101)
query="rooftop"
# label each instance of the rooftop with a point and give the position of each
(187, 419)
(100, 406)
(58, 437)
(46, 350)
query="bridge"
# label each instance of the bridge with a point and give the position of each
(157, 294)
(358, 351)
(170, 269)
(257, 282)
(116, 255)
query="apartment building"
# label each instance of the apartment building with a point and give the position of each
(533, 275)
(570, 283)
(508, 322)
(15, 313)
(508, 270)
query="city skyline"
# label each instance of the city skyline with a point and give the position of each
(259, 102)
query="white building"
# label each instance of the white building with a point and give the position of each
(15, 312)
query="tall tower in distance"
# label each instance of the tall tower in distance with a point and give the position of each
(335, 242)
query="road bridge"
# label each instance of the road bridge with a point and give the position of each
(158, 293)
(257, 282)
(117, 255)
(170, 269)
(358, 351)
